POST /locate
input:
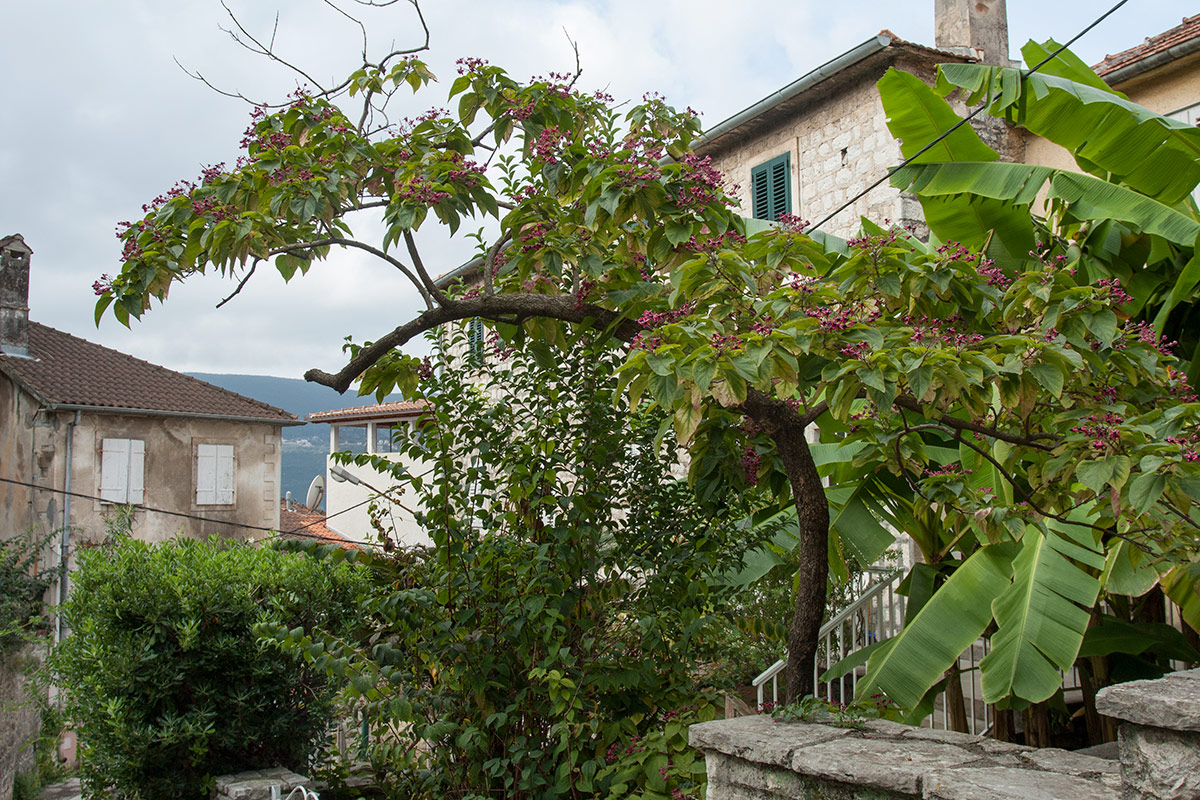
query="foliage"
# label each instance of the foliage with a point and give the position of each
(840, 715)
(559, 614)
(23, 582)
(165, 681)
(992, 385)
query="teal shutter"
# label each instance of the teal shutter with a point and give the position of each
(475, 342)
(770, 188)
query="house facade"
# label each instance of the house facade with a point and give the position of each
(85, 429)
(361, 502)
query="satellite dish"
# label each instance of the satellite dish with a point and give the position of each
(316, 491)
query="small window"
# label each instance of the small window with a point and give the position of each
(122, 470)
(214, 475)
(475, 341)
(770, 187)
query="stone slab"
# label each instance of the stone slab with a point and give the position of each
(878, 763)
(1171, 702)
(1008, 783)
(67, 790)
(1158, 764)
(1068, 763)
(760, 738)
(257, 784)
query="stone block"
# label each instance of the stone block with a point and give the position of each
(760, 738)
(1171, 702)
(878, 763)
(1007, 783)
(1159, 764)
(256, 784)
(1056, 760)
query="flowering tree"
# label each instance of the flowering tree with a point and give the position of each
(1012, 402)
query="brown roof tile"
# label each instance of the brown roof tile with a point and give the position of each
(377, 411)
(1190, 29)
(64, 370)
(300, 522)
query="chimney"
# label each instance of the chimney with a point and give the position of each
(976, 28)
(14, 296)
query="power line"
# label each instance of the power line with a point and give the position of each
(964, 121)
(275, 532)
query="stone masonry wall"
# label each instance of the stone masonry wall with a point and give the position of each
(756, 758)
(20, 721)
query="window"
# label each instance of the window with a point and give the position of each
(1190, 115)
(475, 343)
(770, 188)
(214, 475)
(122, 470)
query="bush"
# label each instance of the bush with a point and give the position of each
(165, 681)
(22, 584)
(560, 611)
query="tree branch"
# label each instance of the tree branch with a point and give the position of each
(1034, 441)
(375, 251)
(496, 308)
(420, 267)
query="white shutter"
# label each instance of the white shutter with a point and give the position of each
(137, 464)
(206, 474)
(224, 486)
(214, 474)
(114, 471)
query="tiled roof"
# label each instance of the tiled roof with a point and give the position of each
(1190, 29)
(378, 411)
(302, 522)
(64, 370)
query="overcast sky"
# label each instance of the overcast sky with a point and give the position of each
(99, 119)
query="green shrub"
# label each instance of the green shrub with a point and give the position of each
(559, 613)
(165, 681)
(22, 584)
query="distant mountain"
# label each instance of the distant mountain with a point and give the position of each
(304, 446)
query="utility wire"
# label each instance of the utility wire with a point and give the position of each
(1024, 74)
(275, 533)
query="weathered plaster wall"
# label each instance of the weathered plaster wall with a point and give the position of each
(170, 474)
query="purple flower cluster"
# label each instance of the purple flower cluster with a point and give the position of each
(102, 286)
(712, 244)
(656, 319)
(1104, 431)
(1118, 295)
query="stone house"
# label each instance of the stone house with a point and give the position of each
(361, 501)
(85, 429)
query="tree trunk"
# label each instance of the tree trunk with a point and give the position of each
(1037, 726)
(955, 700)
(812, 512)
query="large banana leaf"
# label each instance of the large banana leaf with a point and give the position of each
(948, 624)
(1041, 617)
(917, 116)
(1088, 197)
(1157, 156)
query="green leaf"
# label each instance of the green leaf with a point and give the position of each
(1095, 474)
(1115, 635)
(1127, 572)
(1145, 490)
(948, 624)
(1040, 621)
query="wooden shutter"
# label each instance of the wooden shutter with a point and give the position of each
(770, 188)
(475, 342)
(214, 474)
(137, 471)
(114, 470)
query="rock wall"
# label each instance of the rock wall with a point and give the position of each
(756, 758)
(20, 721)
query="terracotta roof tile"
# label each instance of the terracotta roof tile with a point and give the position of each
(301, 522)
(1190, 29)
(377, 411)
(64, 370)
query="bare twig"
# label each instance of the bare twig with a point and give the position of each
(264, 50)
(242, 283)
(375, 251)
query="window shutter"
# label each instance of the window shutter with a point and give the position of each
(475, 342)
(114, 470)
(206, 474)
(224, 488)
(137, 471)
(770, 188)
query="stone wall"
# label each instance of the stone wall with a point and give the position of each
(20, 721)
(756, 758)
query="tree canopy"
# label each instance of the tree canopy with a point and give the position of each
(1005, 384)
